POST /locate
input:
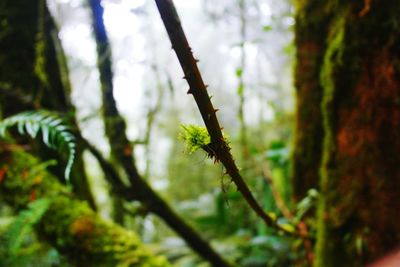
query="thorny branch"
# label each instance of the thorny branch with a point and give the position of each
(198, 89)
(122, 151)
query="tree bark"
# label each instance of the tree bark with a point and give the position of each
(349, 67)
(310, 43)
(33, 75)
(68, 224)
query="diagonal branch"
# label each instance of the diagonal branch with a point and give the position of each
(143, 193)
(198, 89)
(122, 151)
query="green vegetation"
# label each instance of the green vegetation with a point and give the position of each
(104, 160)
(69, 224)
(55, 134)
(196, 137)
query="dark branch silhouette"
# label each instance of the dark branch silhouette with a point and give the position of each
(122, 151)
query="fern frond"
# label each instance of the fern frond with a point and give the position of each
(23, 224)
(55, 134)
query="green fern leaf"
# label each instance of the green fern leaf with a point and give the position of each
(55, 134)
(23, 224)
(21, 127)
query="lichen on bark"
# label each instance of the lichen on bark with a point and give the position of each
(360, 111)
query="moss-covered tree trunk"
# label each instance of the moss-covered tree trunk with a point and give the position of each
(348, 125)
(310, 43)
(33, 73)
(68, 223)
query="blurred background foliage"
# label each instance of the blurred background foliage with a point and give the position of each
(246, 53)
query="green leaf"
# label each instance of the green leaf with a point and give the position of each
(288, 227)
(20, 126)
(306, 203)
(267, 28)
(289, 49)
(239, 72)
(24, 222)
(55, 134)
(46, 136)
(32, 128)
(272, 215)
(240, 89)
(3, 131)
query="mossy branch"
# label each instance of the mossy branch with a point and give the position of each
(66, 222)
(196, 137)
(122, 151)
(198, 89)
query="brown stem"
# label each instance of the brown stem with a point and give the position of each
(122, 151)
(198, 89)
(280, 203)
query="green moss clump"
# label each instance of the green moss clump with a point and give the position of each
(196, 137)
(68, 223)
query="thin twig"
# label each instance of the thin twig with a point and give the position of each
(111, 174)
(280, 203)
(148, 198)
(242, 86)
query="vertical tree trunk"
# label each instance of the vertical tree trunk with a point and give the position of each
(33, 73)
(350, 78)
(310, 42)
